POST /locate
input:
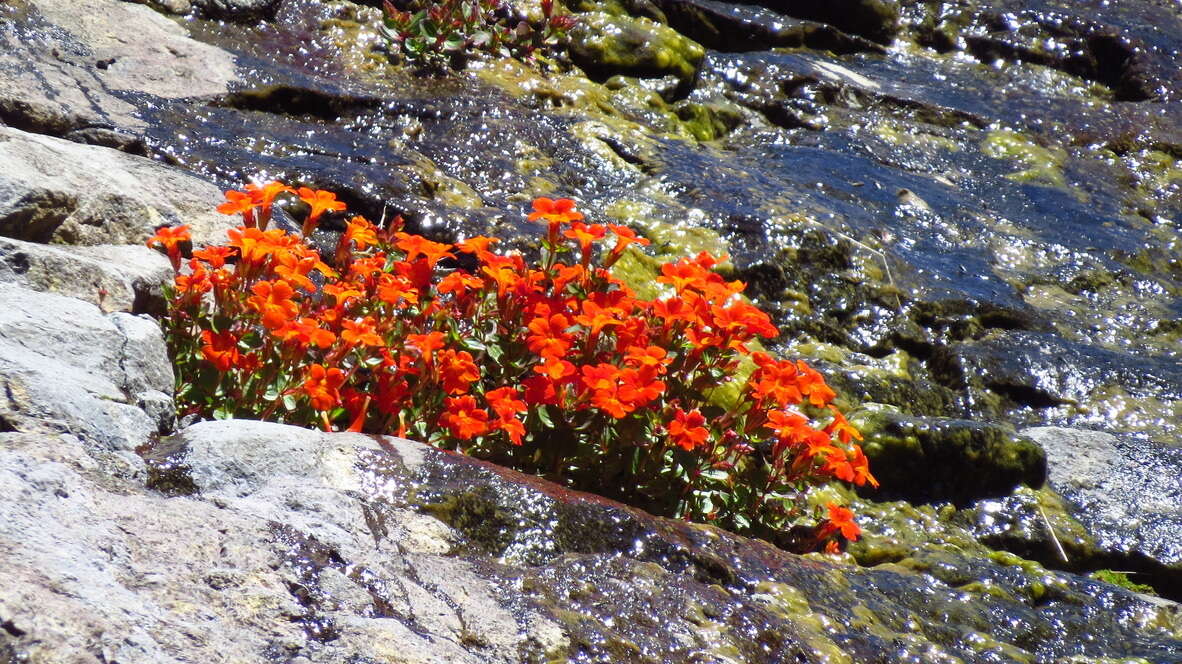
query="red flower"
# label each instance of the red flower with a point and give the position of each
(560, 211)
(319, 201)
(272, 299)
(841, 520)
(363, 332)
(323, 387)
(457, 371)
(686, 430)
(464, 418)
(171, 240)
(220, 349)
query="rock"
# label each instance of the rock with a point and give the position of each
(924, 459)
(735, 27)
(322, 547)
(53, 190)
(111, 277)
(605, 45)
(1126, 492)
(874, 19)
(67, 367)
(236, 10)
(67, 64)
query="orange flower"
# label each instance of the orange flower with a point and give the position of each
(323, 387)
(171, 240)
(837, 465)
(457, 371)
(417, 245)
(788, 426)
(215, 257)
(305, 332)
(272, 299)
(256, 247)
(841, 520)
(342, 291)
(264, 197)
(861, 466)
(512, 426)
(624, 236)
(221, 349)
(504, 401)
(464, 418)
(561, 211)
(812, 385)
(319, 201)
(844, 430)
(775, 380)
(238, 202)
(586, 235)
(397, 290)
(362, 332)
(603, 382)
(555, 369)
(686, 430)
(596, 317)
(548, 336)
(194, 284)
(653, 358)
(458, 284)
(426, 344)
(477, 245)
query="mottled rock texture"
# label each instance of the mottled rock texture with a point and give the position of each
(124, 540)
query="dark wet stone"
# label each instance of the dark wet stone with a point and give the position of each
(931, 459)
(736, 27)
(236, 10)
(874, 19)
(1125, 46)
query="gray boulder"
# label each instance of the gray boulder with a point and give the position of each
(66, 63)
(293, 545)
(67, 367)
(111, 277)
(1126, 492)
(54, 190)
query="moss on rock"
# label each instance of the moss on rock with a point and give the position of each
(605, 45)
(936, 458)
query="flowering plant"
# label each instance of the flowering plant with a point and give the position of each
(433, 30)
(557, 368)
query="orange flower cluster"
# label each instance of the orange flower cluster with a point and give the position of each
(466, 348)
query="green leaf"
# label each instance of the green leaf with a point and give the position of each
(289, 402)
(494, 351)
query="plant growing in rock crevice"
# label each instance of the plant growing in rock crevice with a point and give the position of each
(557, 369)
(438, 31)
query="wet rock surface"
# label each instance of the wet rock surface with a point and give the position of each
(295, 544)
(966, 214)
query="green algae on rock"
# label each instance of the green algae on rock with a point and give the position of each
(932, 458)
(604, 45)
